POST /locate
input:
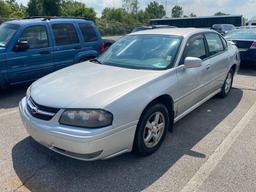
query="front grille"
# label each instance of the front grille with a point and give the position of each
(40, 111)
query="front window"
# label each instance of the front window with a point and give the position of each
(143, 52)
(242, 34)
(196, 48)
(6, 33)
(36, 36)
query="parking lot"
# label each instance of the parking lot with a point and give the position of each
(182, 162)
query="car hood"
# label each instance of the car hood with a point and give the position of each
(88, 85)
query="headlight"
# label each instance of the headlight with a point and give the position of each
(88, 118)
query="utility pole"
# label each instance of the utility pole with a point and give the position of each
(136, 8)
(165, 7)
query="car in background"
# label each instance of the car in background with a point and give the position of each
(223, 28)
(251, 22)
(31, 48)
(127, 98)
(142, 28)
(245, 40)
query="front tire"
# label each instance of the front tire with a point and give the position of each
(151, 130)
(227, 86)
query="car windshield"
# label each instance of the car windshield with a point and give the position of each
(242, 34)
(143, 52)
(228, 27)
(6, 33)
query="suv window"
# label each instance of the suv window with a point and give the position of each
(36, 36)
(88, 32)
(196, 48)
(65, 34)
(214, 43)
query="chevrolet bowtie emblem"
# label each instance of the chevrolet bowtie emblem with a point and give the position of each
(34, 109)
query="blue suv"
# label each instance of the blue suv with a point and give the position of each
(32, 48)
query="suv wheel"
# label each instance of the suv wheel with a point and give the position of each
(151, 130)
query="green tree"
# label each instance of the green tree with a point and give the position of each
(44, 8)
(51, 7)
(5, 9)
(18, 10)
(77, 9)
(192, 15)
(155, 10)
(143, 17)
(177, 11)
(11, 9)
(118, 15)
(131, 6)
(113, 14)
(220, 13)
(35, 8)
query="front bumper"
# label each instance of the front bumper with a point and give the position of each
(79, 143)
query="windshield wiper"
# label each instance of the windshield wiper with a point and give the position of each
(95, 60)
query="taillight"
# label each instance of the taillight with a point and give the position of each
(253, 46)
(102, 48)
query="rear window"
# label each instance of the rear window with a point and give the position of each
(88, 32)
(65, 34)
(214, 42)
(228, 27)
(242, 34)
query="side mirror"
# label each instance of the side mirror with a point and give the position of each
(192, 62)
(21, 45)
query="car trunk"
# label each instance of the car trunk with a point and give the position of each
(243, 44)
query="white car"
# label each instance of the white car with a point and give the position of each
(129, 97)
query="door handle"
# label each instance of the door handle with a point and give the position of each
(44, 52)
(77, 47)
(208, 67)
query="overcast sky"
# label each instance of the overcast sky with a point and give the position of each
(199, 7)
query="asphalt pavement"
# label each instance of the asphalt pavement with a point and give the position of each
(211, 149)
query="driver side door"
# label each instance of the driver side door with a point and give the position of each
(34, 62)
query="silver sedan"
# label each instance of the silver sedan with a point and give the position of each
(129, 97)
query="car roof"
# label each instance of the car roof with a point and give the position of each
(172, 31)
(43, 20)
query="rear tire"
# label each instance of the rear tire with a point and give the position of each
(227, 86)
(151, 130)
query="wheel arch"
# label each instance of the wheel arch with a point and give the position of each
(234, 67)
(166, 100)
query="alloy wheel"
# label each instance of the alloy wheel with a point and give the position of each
(154, 129)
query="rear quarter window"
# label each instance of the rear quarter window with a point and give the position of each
(65, 34)
(88, 32)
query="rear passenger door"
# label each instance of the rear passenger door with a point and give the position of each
(218, 59)
(66, 44)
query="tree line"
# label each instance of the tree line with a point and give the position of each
(112, 21)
